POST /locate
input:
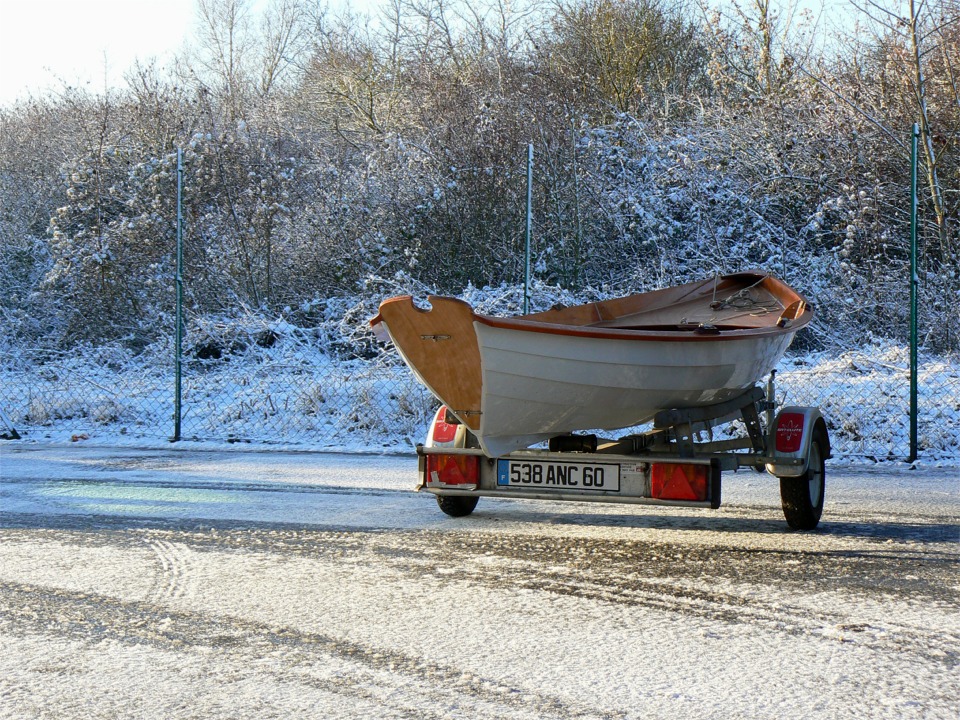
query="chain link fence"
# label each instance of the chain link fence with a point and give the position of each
(285, 393)
(864, 396)
(284, 390)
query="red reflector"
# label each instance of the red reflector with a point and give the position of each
(680, 482)
(789, 432)
(443, 432)
(453, 470)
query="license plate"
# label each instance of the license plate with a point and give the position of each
(558, 475)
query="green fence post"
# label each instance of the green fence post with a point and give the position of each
(914, 286)
(178, 390)
(526, 253)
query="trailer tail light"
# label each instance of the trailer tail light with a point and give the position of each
(680, 482)
(789, 432)
(460, 471)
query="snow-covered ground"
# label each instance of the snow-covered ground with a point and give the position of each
(209, 584)
(295, 392)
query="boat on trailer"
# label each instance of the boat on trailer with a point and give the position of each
(518, 381)
(687, 357)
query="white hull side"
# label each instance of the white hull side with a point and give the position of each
(537, 385)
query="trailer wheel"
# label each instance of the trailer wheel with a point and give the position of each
(802, 497)
(457, 505)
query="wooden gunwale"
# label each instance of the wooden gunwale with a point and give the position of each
(523, 325)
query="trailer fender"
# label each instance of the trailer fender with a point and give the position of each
(446, 431)
(790, 438)
(438, 472)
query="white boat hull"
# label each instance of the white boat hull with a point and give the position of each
(537, 385)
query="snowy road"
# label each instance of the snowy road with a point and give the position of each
(196, 584)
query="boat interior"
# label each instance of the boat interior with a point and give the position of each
(734, 302)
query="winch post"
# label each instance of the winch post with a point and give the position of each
(770, 404)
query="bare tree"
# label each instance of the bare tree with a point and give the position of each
(633, 57)
(916, 45)
(755, 44)
(225, 45)
(285, 36)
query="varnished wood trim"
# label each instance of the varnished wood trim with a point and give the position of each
(440, 346)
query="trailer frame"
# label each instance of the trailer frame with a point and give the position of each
(670, 464)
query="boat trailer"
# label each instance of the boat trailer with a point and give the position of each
(670, 464)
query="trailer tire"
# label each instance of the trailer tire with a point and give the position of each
(457, 505)
(802, 497)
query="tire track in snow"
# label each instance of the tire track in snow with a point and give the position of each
(175, 569)
(728, 585)
(728, 607)
(711, 582)
(723, 584)
(716, 583)
(411, 687)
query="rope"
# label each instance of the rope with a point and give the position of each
(743, 299)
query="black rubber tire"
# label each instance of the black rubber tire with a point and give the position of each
(457, 505)
(802, 497)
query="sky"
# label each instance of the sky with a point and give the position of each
(45, 43)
